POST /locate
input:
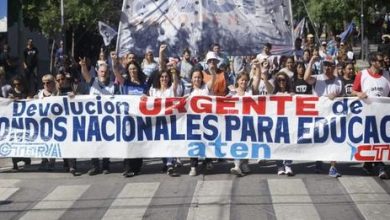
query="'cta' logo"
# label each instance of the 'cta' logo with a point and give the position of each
(372, 152)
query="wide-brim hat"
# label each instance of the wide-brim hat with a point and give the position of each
(385, 36)
(211, 56)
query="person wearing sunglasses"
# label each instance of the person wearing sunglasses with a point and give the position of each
(326, 84)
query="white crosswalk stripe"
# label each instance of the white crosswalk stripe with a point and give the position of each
(54, 205)
(370, 198)
(211, 200)
(7, 188)
(291, 199)
(132, 202)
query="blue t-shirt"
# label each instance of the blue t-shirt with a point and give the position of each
(130, 88)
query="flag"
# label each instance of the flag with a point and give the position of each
(344, 36)
(107, 32)
(299, 29)
(240, 27)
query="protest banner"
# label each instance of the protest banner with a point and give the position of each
(258, 127)
(241, 27)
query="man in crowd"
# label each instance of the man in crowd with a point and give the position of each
(100, 85)
(373, 82)
(31, 66)
(328, 85)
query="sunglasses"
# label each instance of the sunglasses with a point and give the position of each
(47, 82)
(281, 79)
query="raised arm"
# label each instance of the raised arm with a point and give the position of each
(211, 83)
(175, 81)
(115, 68)
(162, 57)
(256, 73)
(84, 70)
(307, 77)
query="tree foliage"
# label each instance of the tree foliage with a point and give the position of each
(45, 15)
(337, 13)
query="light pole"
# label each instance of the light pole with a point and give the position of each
(62, 26)
(362, 29)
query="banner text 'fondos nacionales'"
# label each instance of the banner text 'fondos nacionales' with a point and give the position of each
(268, 127)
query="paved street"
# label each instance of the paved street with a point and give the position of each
(30, 194)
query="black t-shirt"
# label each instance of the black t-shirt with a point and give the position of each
(31, 57)
(347, 86)
(300, 86)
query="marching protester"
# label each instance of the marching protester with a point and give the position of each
(200, 88)
(133, 84)
(299, 85)
(49, 89)
(100, 85)
(282, 87)
(165, 84)
(31, 66)
(18, 91)
(242, 88)
(373, 82)
(347, 78)
(5, 87)
(327, 85)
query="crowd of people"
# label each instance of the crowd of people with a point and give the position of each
(327, 69)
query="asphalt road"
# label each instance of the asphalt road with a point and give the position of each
(215, 194)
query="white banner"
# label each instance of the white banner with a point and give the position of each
(258, 127)
(241, 27)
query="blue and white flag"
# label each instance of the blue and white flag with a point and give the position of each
(344, 36)
(107, 32)
(3, 16)
(241, 27)
(299, 29)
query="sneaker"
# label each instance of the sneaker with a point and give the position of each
(170, 171)
(288, 171)
(245, 168)
(92, 172)
(105, 172)
(333, 172)
(192, 171)
(382, 174)
(318, 167)
(236, 171)
(178, 162)
(129, 174)
(209, 166)
(368, 168)
(281, 171)
(73, 172)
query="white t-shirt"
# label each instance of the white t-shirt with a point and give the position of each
(154, 92)
(202, 91)
(373, 86)
(324, 86)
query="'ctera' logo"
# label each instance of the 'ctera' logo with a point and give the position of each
(220, 149)
(372, 152)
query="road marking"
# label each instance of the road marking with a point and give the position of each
(132, 202)
(8, 182)
(291, 200)
(54, 205)
(370, 198)
(5, 193)
(211, 200)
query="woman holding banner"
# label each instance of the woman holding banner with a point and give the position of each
(200, 88)
(242, 89)
(134, 84)
(165, 84)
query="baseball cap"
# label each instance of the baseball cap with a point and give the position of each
(310, 36)
(323, 43)
(211, 55)
(328, 60)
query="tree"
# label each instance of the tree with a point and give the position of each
(81, 16)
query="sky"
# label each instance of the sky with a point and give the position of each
(3, 8)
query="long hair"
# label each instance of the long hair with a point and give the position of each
(156, 80)
(277, 87)
(140, 73)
